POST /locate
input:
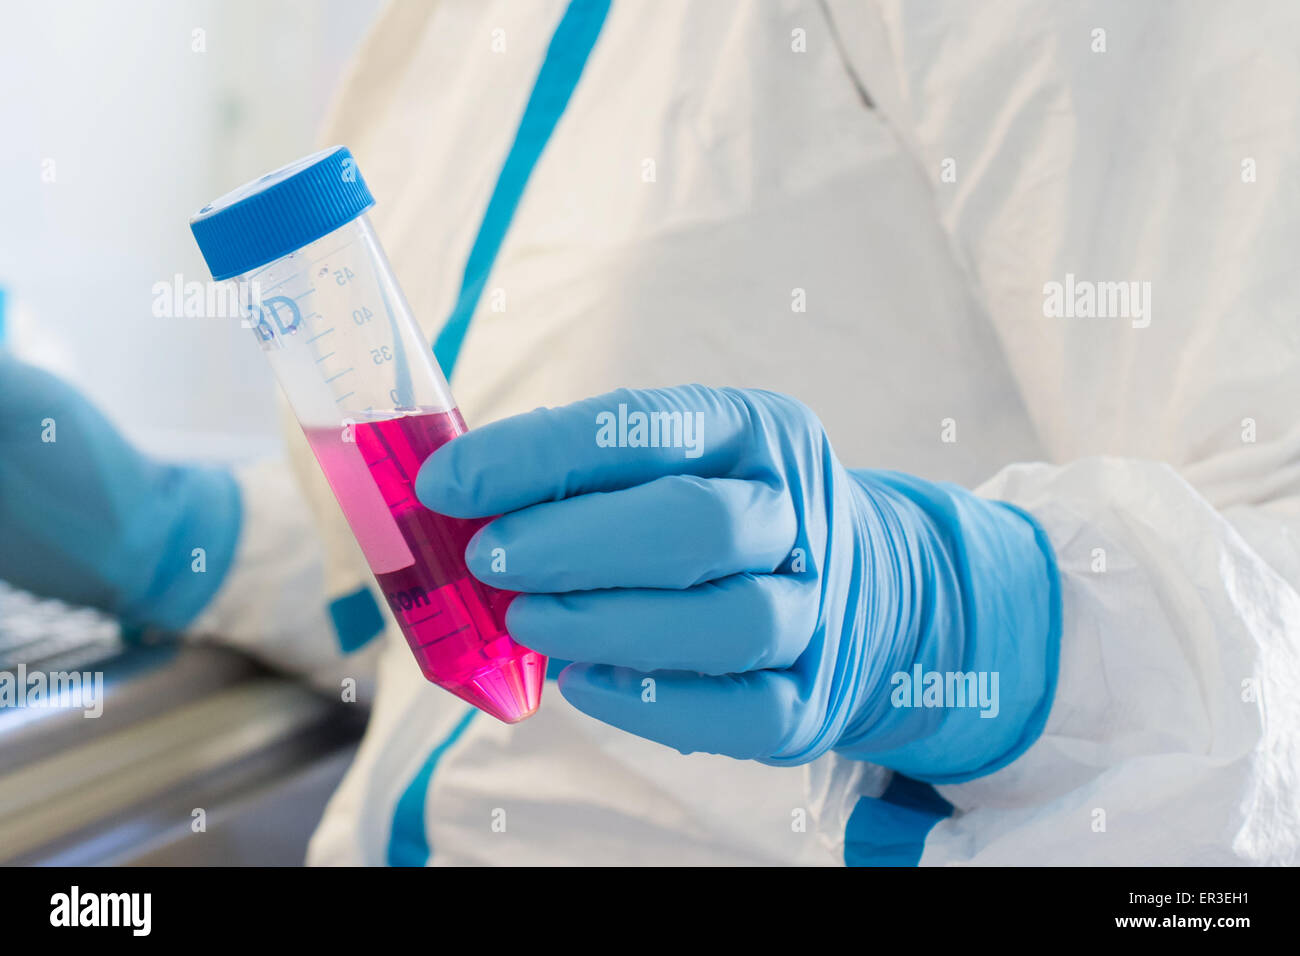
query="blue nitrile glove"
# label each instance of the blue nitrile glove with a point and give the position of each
(770, 594)
(88, 519)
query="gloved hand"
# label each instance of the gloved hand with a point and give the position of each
(771, 596)
(88, 519)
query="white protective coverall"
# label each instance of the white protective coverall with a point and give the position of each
(916, 177)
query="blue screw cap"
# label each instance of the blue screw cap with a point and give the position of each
(281, 212)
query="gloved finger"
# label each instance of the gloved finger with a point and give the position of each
(674, 532)
(740, 623)
(612, 441)
(747, 716)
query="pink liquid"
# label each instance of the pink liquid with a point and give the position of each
(453, 622)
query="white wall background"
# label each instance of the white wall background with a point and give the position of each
(142, 130)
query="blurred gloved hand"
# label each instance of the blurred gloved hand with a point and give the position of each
(771, 595)
(86, 518)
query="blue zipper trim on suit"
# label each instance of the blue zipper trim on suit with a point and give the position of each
(566, 56)
(408, 841)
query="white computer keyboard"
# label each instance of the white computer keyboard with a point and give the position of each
(52, 634)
